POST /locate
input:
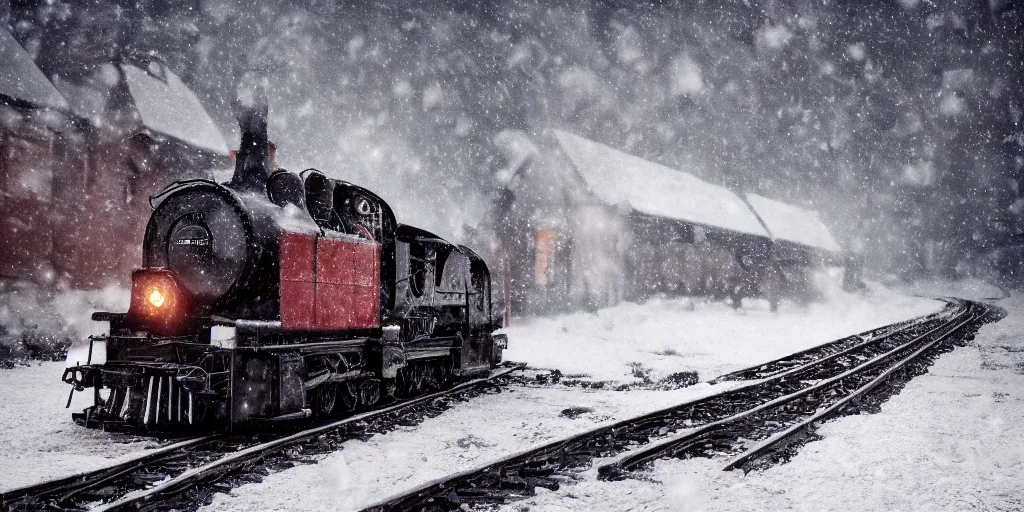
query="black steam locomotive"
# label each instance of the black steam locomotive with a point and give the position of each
(279, 296)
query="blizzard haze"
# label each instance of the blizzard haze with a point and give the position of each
(899, 121)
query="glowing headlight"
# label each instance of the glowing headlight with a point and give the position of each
(158, 304)
(156, 298)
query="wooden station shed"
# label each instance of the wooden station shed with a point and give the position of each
(80, 159)
(586, 225)
(583, 225)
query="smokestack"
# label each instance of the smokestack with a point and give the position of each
(252, 165)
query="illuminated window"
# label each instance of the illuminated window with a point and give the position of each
(545, 249)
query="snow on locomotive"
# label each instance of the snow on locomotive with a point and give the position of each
(279, 296)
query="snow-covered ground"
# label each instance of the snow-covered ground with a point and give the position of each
(672, 335)
(468, 435)
(38, 441)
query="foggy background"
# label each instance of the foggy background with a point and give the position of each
(900, 121)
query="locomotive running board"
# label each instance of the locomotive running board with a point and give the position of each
(313, 348)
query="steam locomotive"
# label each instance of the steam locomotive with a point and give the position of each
(278, 296)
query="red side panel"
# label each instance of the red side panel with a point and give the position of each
(297, 281)
(348, 284)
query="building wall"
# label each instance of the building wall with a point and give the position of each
(27, 177)
(603, 255)
(562, 249)
(600, 256)
(675, 258)
(73, 210)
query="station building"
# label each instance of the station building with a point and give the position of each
(80, 159)
(583, 225)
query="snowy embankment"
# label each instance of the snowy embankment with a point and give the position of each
(37, 438)
(665, 336)
(973, 289)
(38, 323)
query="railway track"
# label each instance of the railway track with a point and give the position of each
(781, 408)
(795, 413)
(812, 354)
(189, 472)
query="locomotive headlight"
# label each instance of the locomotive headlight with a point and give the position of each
(159, 304)
(156, 298)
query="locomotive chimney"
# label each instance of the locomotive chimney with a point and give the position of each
(252, 165)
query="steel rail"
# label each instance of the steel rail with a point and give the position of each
(851, 349)
(765, 370)
(768, 444)
(149, 498)
(681, 442)
(640, 421)
(62, 489)
(85, 480)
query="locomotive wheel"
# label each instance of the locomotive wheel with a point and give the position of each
(443, 372)
(419, 377)
(323, 400)
(401, 384)
(348, 396)
(390, 387)
(429, 377)
(369, 392)
(406, 383)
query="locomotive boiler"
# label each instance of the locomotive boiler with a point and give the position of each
(278, 296)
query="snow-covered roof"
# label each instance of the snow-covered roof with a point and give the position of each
(89, 98)
(22, 80)
(620, 178)
(168, 106)
(792, 223)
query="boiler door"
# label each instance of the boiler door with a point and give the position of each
(203, 242)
